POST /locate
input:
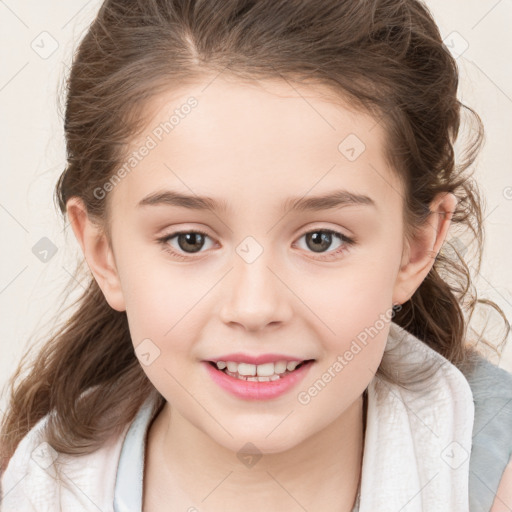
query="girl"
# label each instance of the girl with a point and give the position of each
(258, 370)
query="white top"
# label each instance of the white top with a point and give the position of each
(129, 480)
(416, 456)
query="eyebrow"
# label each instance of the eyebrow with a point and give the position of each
(336, 199)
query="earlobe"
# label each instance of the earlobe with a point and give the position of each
(97, 252)
(420, 252)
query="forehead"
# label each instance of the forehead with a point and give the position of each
(262, 140)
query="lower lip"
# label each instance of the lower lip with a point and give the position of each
(250, 390)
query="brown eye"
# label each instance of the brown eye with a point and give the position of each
(318, 241)
(190, 242)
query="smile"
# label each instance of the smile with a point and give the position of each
(258, 382)
(258, 373)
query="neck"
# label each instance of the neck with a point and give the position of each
(321, 472)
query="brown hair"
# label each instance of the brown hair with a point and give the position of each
(386, 56)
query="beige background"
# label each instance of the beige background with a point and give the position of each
(38, 39)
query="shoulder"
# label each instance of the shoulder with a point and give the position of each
(483, 377)
(38, 478)
(491, 387)
(491, 453)
(503, 499)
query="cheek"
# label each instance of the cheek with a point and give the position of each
(352, 323)
(345, 371)
(165, 314)
(351, 316)
(159, 310)
(157, 295)
(350, 299)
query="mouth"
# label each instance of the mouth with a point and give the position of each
(266, 381)
(266, 372)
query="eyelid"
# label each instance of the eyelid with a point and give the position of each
(170, 230)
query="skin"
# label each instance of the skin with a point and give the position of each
(254, 145)
(503, 499)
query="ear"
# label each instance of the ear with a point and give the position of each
(97, 252)
(420, 252)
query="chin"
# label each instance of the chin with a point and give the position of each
(258, 442)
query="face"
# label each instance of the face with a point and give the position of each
(266, 269)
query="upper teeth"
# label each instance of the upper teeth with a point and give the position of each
(262, 370)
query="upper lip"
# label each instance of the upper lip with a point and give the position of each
(259, 359)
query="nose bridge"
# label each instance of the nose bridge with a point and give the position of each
(255, 295)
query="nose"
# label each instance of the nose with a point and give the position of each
(256, 296)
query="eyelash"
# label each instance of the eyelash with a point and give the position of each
(347, 243)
